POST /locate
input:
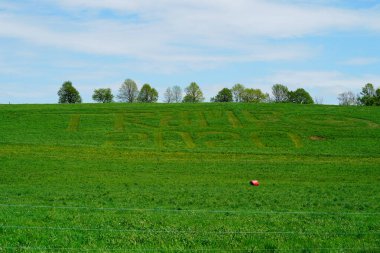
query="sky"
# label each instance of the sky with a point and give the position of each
(324, 46)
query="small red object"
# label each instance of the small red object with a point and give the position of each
(255, 183)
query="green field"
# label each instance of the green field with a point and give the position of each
(140, 177)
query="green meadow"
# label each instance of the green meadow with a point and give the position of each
(160, 177)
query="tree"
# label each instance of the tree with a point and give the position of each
(177, 94)
(377, 100)
(368, 95)
(280, 93)
(300, 96)
(168, 95)
(68, 94)
(102, 96)
(128, 91)
(147, 94)
(237, 92)
(173, 95)
(347, 98)
(225, 95)
(253, 96)
(193, 94)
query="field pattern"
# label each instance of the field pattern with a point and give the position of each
(117, 178)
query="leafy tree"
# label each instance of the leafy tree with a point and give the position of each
(147, 94)
(253, 96)
(102, 96)
(128, 91)
(237, 92)
(173, 95)
(377, 100)
(193, 94)
(347, 98)
(280, 93)
(300, 96)
(225, 95)
(68, 94)
(368, 95)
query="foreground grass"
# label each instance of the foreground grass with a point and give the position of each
(175, 178)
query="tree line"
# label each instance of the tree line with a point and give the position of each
(367, 97)
(129, 93)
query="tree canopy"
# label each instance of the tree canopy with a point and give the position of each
(377, 101)
(368, 95)
(177, 94)
(193, 94)
(173, 94)
(347, 98)
(280, 93)
(225, 95)
(300, 96)
(128, 91)
(102, 95)
(237, 92)
(68, 94)
(253, 96)
(147, 94)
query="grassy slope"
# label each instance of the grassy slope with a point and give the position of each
(181, 174)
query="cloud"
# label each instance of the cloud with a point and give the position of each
(270, 18)
(175, 34)
(145, 44)
(361, 61)
(105, 40)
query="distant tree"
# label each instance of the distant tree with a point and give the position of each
(168, 96)
(68, 94)
(225, 95)
(128, 91)
(377, 100)
(300, 96)
(193, 94)
(237, 92)
(177, 94)
(103, 96)
(267, 99)
(280, 93)
(173, 95)
(147, 94)
(367, 95)
(347, 98)
(253, 96)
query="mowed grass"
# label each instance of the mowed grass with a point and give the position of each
(118, 177)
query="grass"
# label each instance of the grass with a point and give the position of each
(176, 178)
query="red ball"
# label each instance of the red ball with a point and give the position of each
(255, 183)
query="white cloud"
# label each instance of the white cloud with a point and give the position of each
(240, 17)
(361, 61)
(165, 36)
(147, 44)
(171, 34)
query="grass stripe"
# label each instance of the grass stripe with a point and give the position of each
(164, 231)
(186, 210)
(74, 123)
(234, 121)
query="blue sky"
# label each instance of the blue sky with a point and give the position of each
(324, 46)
